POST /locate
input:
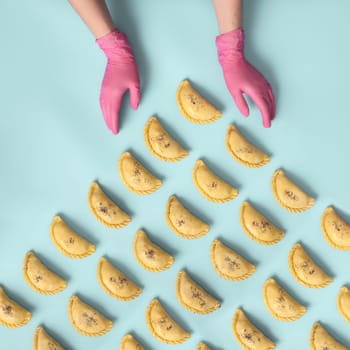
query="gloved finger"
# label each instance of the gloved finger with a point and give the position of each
(104, 112)
(241, 103)
(135, 95)
(273, 104)
(112, 113)
(264, 107)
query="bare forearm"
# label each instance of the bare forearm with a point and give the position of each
(229, 14)
(96, 16)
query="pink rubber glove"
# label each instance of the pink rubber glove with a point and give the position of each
(121, 75)
(241, 77)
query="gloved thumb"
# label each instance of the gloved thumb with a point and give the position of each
(241, 103)
(135, 96)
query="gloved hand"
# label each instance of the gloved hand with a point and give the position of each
(241, 77)
(121, 75)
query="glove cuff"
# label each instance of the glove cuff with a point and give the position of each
(230, 45)
(116, 46)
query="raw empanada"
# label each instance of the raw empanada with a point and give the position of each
(135, 176)
(289, 195)
(104, 210)
(193, 106)
(280, 304)
(247, 335)
(40, 278)
(343, 303)
(320, 339)
(194, 297)
(128, 342)
(116, 283)
(69, 242)
(161, 144)
(257, 227)
(43, 341)
(243, 151)
(149, 255)
(228, 264)
(86, 320)
(12, 315)
(335, 229)
(162, 326)
(211, 186)
(183, 222)
(305, 270)
(202, 346)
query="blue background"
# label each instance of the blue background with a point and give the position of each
(54, 144)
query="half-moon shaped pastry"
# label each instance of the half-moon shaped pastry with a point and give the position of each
(320, 339)
(202, 346)
(162, 326)
(183, 222)
(305, 270)
(116, 283)
(43, 341)
(335, 229)
(105, 210)
(12, 315)
(243, 151)
(69, 242)
(211, 186)
(161, 144)
(228, 264)
(289, 195)
(193, 297)
(249, 336)
(40, 278)
(86, 320)
(280, 304)
(257, 227)
(135, 176)
(194, 106)
(343, 303)
(128, 342)
(149, 255)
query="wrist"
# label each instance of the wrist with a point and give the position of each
(230, 45)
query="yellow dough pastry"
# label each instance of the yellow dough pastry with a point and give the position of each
(336, 230)
(228, 264)
(116, 283)
(69, 242)
(193, 297)
(135, 176)
(247, 335)
(211, 186)
(289, 195)
(243, 151)
(150, 256)
(343, 303)
(86, 320)
(183, 222)
(162, 326)
(128, 342)
(12, 315)
(40, 278)
(257, 227)
(43, 341)
(280, 304)
(161, 144)
(320, 339)
(305, 270)
(202, 346)
(193, 106)
(105, 210)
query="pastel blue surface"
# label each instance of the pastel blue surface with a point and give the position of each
(54, 144)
